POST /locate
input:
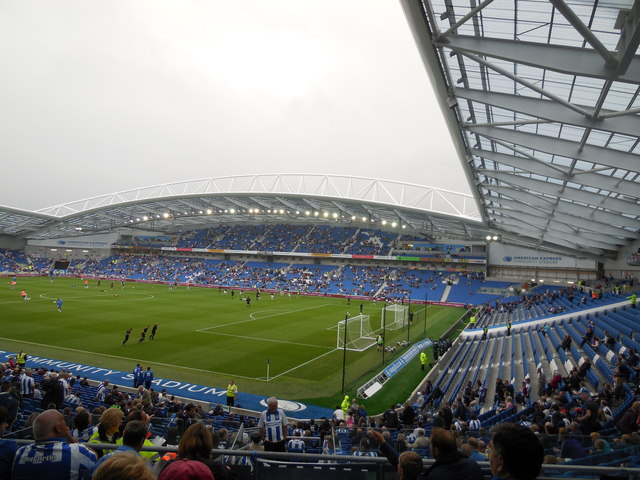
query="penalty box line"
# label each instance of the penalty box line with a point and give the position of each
(302, 364)
(245, 337)
(252, 318)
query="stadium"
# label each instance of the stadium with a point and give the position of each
(515, 303)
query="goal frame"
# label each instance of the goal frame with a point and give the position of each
(360, 335)
(400, 316)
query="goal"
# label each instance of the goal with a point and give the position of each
(359, 335)
(395, 316)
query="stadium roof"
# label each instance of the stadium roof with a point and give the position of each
(541, 98)
(327, 199)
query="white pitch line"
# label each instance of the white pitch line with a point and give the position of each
(265, 339)
(302, 364)
(251, 318)
(92, 298)
(171, 365)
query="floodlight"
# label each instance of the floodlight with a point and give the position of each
(488, 238)
(394, 224)
(384, 222)
(325, 214)
(233, 210)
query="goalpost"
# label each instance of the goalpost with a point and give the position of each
(395, 316)
(359, 335)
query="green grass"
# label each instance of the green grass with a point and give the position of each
(207, 337)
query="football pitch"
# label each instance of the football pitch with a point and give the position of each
(285, 346)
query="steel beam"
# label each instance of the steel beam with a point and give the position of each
(595, 180)
(565, 148)
(569, 193)
(526, 83)
(463, 20)
(629, 38)
(549, 110)
(596, 214)
(587, 34)
(558, 58)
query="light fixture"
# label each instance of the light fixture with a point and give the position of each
(384, 222)
(364, 219)
(335, 215)
(394, 224)
(233, 210)
(325, 214)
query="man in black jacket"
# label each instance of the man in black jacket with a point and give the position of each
(514, 452)
(450, 464)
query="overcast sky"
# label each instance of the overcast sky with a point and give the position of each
(98, 97)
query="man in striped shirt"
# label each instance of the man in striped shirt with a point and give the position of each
(102, 392)
(27, 384)
(273, 427)
(53, 456)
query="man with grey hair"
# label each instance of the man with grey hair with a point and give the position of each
(421, 441)
(273, 427)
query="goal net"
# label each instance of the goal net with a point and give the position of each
(395, 316)
(358, 335)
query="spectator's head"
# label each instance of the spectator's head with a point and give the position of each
(49, 424)
(473, 443)
(443, 445)
(272, 404)
(515, 452)
(196, 443)
(135, 434)
(126, 466)
(409, 465)
(599, 444)
(365, 446)
(110, 420)
(185, 469)
(138, 415)
(82, 420)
